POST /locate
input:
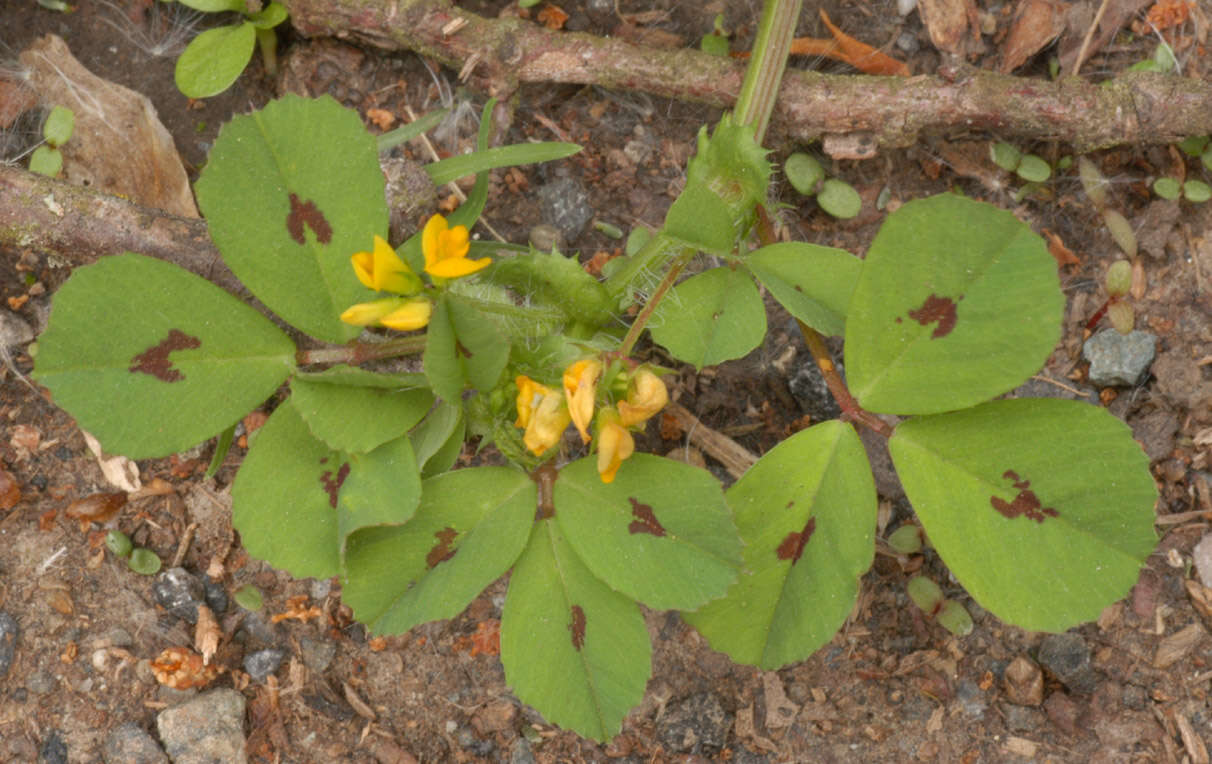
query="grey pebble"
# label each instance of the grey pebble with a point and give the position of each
(116, 637)
(207, 729)
(257, 630)
(1119, 360)
(971, 698)
(1067, 657)
(40, 682)
(908, 42)
(809, 389)
(695, 724)
(317, 654)
(520, 752)
(130, 744)
(1022, 718)
(53, 750)
(565, 204)
(262, 663)
(215, 595)
(179, 592)
(8, 641)
(13, 329)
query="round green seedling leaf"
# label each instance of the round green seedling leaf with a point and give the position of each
(144, 562)
(1197, 191)
(954, 617)
(1121, 231)
(710, 318)
(906, 539)
(804, 172)
(925, 593)
(957, 302)
(1005, 156)
(118, 543)
(270, 16)
(290, 192)
(1033, 169)
(214, 59)
(573, 648)
(806, 513)
(153, 359)
(469, 529)
(46, 161)
(660, 533)
(812, 282)
(1119, 278)
(1206, 159)
(1042, 508)
(1193, 145)
(1094, 183)
(249, 597)
(1167, 188)
(839, 199)
(59, 125)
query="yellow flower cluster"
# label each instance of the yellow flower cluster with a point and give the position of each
(544, 413)
(382, 270)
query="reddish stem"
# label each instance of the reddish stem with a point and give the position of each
(851, 410)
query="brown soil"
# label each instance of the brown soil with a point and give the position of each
(889, 687)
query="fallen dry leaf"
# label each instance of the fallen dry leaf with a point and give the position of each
(948, 22)
(119, 471)
(207, 634)
(1175, 647)
(182, 669)
(552, 17)
(381, 118)
(10, 494)
(97, 508)
(119, 145)
(1063, 255)
(1036, 24)
(848, 50)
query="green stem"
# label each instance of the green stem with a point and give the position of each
(637, 326)
(267, 40)
(360, 352)
(767, 63)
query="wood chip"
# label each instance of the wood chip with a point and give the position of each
(358, 705)
(1036, 24)
(1176, 646)
(780, 711)
(1191, 740)
(948, 22)
(206, 634)
(1021, 746)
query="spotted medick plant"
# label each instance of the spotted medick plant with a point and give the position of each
(1042, 508)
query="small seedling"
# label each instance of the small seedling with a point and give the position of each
(716, 43)
(834, 196)
(1029, 167)
(57, 130)
(118, 543)
(215, 58)
(906, 539)
(248, 597)
(144, 561)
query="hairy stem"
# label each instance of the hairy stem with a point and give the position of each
(361, 352)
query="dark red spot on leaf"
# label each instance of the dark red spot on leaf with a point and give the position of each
(332, 485)
(155, 360)
(306, 213)
(1026, 503)
(935, 308)
(462, 350)
(793, 545)
(645, 520)
(441, 551)
(577, 627)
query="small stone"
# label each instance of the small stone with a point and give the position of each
(53, 750)
(696, 724)
(320, 588)
(8, 641)
(1119, 360)
(131, 744)
(565, 205)
(1067, 657)
(1024, 682)
(14, 330)
(317, 654)
(1155, 432)
(116, 637)
(971, 698)
(262, 663)
(908, 42)
(808, 387)
(545, 238)
(207, 729)
(40, 682)
(179, 592)
(215, 595)
(257, 630)
(1022, 718)
(520, 752)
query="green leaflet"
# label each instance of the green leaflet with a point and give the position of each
(571, 647)
(462, 346)
(287, 215)
(362, 415)
(214, 59)
(710, 318)
(812, 282)
(957, 302)
(153, 359)
(1042, 508)
(660, 533)
(806, 513)
(469, 529)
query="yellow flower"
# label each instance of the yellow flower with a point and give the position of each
(646, 395)
(542, 412)
(446, 248)
(580, 387)
(614, 444)
(384, 271)
(392, 312)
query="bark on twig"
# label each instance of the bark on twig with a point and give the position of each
(79, 225)
(503, 53)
